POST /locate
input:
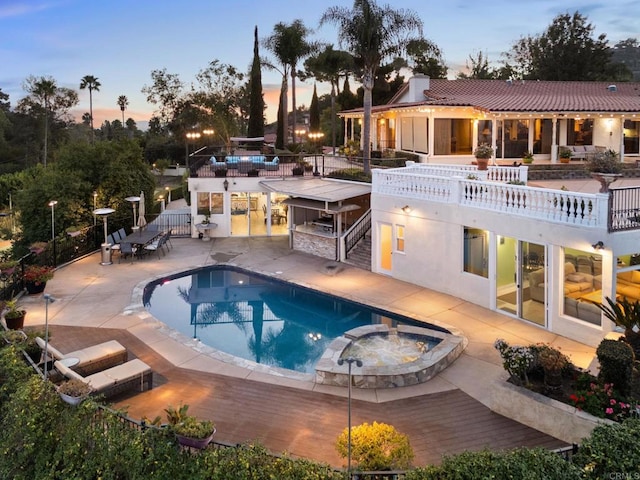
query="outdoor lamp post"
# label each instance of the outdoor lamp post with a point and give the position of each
(106, 246)
(162, 204)
(53, 204)
(358, 362)
(133, 201)
(47, 300)
(95, 201)
(190, 136)
(315, 136)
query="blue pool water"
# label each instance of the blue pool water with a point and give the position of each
(259, 318)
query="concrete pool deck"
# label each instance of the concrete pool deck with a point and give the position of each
(109, 299)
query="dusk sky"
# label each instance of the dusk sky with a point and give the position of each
(122, 41)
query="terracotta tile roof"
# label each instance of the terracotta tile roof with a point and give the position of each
(528, 96)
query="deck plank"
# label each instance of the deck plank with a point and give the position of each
(305, 423)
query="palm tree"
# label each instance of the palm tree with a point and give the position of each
(44, 90)
(290, 45)
(371, 34)
(123, 101)
(92, 83)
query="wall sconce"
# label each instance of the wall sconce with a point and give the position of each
(225, 184)
(598, 245)
(406, 209)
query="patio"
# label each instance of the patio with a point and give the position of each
(444, 416)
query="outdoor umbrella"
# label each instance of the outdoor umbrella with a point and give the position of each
(141, 220)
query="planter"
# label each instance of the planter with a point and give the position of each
(198, 443)
(15, 321)
(33, 288)
(482, 163)
(75, 401)
(298, 171)
(605, 179)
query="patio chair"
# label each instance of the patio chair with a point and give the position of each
(168, 239)
(156, 246)
(272, 165)
(114, 245)
(132, 374)
(91, 359)
(127, 250)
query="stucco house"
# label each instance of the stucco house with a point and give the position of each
(544, 256)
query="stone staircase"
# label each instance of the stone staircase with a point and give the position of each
(360, 255)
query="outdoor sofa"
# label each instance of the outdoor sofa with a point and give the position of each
(115, 380)
(244, 163)
(92, 359)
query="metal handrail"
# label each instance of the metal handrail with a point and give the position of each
(357, 231)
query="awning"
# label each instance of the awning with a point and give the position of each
(322, 190)
(322, 206)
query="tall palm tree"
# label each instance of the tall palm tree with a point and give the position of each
(290, 45)
(44, 90)
(92, 83)
(123, 101)
(372, 34)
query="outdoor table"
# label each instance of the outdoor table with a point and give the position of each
(205, 229)
(141, 237)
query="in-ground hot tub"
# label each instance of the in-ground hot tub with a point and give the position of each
(395, 357)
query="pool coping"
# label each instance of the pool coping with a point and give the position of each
(247, 368)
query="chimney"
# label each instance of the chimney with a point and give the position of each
(417, 85)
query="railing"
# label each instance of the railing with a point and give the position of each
(493, 173)
(358, 230)
(557, 206)
(624, 209)
(178, 223)
(309, 164)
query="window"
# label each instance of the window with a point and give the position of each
(476, 251)
(399, 238)
(210, 203)
(453, 136)
(414, 134)
(631, 135)
(542, 135)
(582, 284)
(580, 132)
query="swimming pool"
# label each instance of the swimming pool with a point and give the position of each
(259, 318)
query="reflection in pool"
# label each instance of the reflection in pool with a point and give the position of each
(259, 318)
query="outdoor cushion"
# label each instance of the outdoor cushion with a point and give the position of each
(126, 372)
(93, 358)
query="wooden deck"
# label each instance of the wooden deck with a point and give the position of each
(304, 423)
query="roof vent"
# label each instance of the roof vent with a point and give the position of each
(612, 88)
(509, 82)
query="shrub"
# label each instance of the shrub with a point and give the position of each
(515, 360)
(600, 400)
(376, 447)
(521, 463)
(604, 162)
(616, 364)
(609, 450)
(483, 150)
(355, 174)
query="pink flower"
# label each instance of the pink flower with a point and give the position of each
(609, 411)
(613, 401)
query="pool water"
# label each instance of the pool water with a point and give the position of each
(259, 318)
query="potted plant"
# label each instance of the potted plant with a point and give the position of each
(298, 170)
(36, 278)
(483, 153)
(12, 337)
(14, 317)
(8, 267)
(190, 432)
(73, 391)
(565, 155)
(604, 167)
(527, 157)
(206, 220)
(37, 247)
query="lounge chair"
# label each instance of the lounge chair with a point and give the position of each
(273, 165)
(93, 358)
(132, 374)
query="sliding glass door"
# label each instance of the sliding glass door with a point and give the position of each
(521, 281)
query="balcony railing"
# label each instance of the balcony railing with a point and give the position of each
(453, 185)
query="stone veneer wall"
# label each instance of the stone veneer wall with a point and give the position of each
(320, 246)
(542, 413)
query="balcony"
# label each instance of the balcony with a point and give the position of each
(464, 185)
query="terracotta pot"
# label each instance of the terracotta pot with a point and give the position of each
(482, 163)
(17, 322)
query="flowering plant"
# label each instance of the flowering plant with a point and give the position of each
(38, 274)
(483, 150)
(601, 401)
(515, 360)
